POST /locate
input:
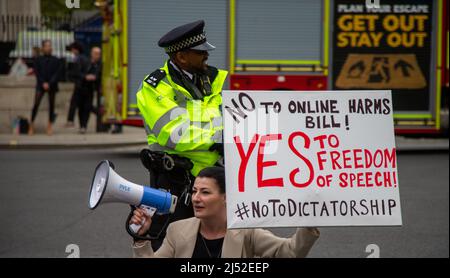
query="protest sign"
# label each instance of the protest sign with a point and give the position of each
(310, 159)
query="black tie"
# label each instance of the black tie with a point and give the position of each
(191, 86)
(203, 84)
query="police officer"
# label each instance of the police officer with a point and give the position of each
(180, 104)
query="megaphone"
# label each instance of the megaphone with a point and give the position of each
(108, 187)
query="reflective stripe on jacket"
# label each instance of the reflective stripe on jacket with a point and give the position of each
(178, 124)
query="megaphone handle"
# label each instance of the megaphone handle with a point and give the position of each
(149, 211)
(135, 228)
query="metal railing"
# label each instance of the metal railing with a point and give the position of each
(28, 31)
(29, 41)
(12, 25)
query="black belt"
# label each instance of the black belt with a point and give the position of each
(161, 161)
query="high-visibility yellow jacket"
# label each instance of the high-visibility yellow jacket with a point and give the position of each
(177, 123)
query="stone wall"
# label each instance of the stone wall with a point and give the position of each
(17, 98)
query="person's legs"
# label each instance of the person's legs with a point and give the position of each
(37, 101)
(72, 108)
(87, 107)
(51, 111)
(95, 106)
(81, 112)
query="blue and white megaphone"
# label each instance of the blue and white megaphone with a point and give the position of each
(108, 187)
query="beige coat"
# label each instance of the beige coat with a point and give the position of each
(245, 243)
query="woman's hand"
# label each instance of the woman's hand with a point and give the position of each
(141, 217)
(314, 231)
(90, 77)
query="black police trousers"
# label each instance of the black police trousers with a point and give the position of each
(175, 182)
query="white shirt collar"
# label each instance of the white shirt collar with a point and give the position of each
(190, 75)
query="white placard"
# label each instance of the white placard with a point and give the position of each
(300, 159)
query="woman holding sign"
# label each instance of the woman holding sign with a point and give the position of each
(206, 234)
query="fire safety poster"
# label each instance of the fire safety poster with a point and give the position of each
(385, 47)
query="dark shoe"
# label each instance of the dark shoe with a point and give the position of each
(117, 129)
(53, 119)
(94, 110)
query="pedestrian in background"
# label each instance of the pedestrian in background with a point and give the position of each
(47, 68)
(92, 84)
(35, 52)
(77, 73)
